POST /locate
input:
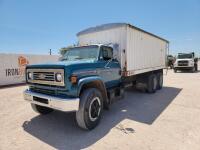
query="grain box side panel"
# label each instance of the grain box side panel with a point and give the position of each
(144, 52)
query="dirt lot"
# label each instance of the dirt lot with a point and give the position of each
(168, 119)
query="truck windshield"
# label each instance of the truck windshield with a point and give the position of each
(185, 56)
(83, 53)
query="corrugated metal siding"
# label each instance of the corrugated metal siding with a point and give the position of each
(114, 35)
(144, 51)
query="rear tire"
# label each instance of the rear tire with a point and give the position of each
(41, 109)
(90, 109)
(159, 80)
(152, 83)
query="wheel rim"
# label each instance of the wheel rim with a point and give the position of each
(94, 109)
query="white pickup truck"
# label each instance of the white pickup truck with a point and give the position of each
(186, 61)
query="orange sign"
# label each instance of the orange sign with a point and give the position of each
(20, 71)
(22, 61)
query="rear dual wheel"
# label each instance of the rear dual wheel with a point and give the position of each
(154, 82)
(160, 80)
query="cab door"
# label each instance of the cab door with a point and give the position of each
(110, 68)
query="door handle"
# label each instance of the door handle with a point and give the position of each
(107, 67)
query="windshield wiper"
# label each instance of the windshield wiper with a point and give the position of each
(78, 58)
(64, 59)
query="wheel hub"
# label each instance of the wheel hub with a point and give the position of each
(94, 109)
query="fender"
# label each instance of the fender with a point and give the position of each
(86, 80)
(91, 79)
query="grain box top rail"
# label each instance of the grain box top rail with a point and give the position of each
(115, 25)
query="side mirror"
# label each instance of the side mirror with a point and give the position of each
(195, 59)
(107, 55)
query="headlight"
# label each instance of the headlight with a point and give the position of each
(59, 77)
(191, 61)
(30, 75)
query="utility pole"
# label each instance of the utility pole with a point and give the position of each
(49, 51)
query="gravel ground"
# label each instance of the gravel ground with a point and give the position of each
(168, 119)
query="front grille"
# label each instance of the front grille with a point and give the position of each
(183, 63)
(46, 76)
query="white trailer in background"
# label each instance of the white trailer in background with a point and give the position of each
(139, 51)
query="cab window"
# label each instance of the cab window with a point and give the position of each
(106, 53)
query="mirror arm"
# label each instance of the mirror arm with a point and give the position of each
(106, 66)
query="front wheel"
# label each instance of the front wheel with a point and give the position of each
(90, 109)
(175, 70)
(196, 67)
(41, 109)
(193, 69)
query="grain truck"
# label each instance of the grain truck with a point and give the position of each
(94, 74)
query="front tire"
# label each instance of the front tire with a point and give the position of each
(196, 67)
(193, 69)
(90, 109)
(175, 70)
(41, 109)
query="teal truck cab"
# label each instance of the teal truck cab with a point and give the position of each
(87, 80)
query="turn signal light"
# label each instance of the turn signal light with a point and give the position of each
(73, 79)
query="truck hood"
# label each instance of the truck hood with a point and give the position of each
(60, 64)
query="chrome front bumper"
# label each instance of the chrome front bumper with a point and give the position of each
(63, 104)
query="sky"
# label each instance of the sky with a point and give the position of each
(35, 26)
